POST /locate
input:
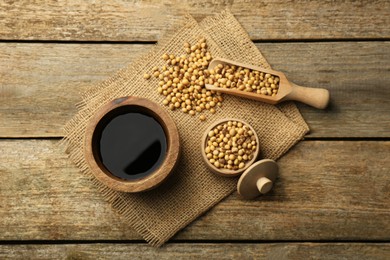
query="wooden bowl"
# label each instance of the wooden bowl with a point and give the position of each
(113, 109)
(227, 172)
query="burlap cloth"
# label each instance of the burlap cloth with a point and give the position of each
(192, 189)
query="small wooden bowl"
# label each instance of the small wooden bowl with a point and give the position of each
(114, 108)
(226, 172)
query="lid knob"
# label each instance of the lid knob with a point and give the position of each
(264, 185)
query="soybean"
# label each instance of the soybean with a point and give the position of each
(182, 80)
(232, 144)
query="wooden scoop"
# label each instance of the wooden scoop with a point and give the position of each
(315, 97)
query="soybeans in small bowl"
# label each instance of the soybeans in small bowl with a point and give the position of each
(229, 146)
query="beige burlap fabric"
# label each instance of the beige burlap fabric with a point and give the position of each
(192, 189)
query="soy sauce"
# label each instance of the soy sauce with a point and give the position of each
(131, 143)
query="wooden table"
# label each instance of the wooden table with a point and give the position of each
(332, 198)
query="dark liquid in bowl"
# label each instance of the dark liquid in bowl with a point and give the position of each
(131, 144)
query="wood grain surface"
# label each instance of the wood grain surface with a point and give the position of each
(191, 251)
(40, 84)
(120, 20)
(331, 199)
(45, 197)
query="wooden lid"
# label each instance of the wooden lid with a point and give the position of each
(149, 181)
(257, 179)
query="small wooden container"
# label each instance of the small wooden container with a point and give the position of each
(227, 172)
(91, 150)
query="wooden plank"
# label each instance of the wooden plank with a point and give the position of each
(40, 83)
(120, 20)
(191, 251)
(356, 75)
(326, 190)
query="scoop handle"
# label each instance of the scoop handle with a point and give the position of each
(315, 97)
